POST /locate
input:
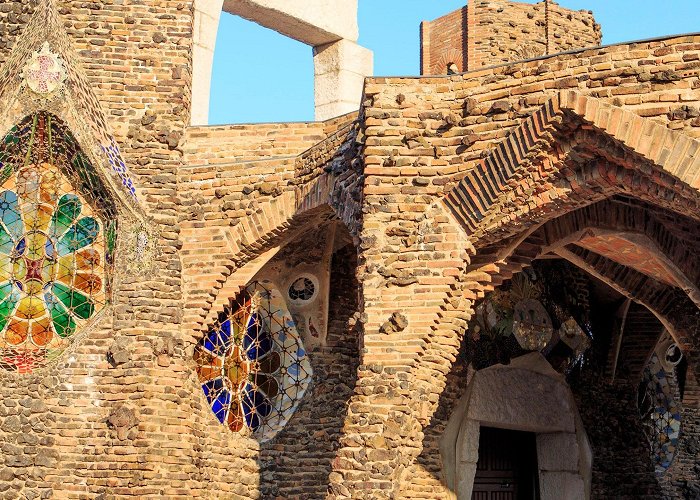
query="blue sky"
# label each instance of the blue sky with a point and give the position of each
(262, 76)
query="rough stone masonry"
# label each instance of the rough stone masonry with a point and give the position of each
(403, 216)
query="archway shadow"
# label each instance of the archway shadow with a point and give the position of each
(297, 462)
(622, 466)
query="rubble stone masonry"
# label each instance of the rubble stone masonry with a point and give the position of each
(488, 32)
(221, 200)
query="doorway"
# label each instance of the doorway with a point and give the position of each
(507, 466)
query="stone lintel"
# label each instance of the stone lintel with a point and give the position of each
(313, 22)
(340, 69)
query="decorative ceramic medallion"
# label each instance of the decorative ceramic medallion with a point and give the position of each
(252, 365)
(532, 325)
(668, 352)
(44, 72)
(573, 336)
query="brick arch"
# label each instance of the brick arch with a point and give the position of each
(439, 67)
(247, 246)
(574, 151)
(675, 305)
(643, 226)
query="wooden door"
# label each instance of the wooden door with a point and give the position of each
(507, 466)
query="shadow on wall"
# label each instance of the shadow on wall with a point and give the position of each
(621, 457)
(252, 83)
(297, 462)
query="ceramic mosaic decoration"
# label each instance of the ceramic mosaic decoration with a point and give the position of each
(532, 325)
(573, 336)
(660, 412)
(252, 365)
(45, 71)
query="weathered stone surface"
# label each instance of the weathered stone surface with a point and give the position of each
(222, 200)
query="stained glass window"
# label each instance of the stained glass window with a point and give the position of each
(252, 364)
(660, 413)
(53, 249)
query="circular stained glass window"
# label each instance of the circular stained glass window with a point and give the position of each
(252, 364)
(303, 289)
(51, 266)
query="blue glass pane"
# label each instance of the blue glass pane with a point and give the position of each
(221, 404)
(9, 214)
(217, 341)
(255, 406)
(257, 340)
(211, 388)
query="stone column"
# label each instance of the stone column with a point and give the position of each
(206, 25)
(339, 73)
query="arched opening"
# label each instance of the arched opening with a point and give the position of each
(616, 324)
(527, 395)
(251, 82)
(281, 387)
(329, 27)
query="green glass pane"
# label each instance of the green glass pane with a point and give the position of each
(80, 235)
(10, 214)
(10, 297)
(6, 243)
(66, 213)
(11, 137)
(79, 305)
(62, 322)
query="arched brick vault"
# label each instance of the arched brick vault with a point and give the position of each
(573, 152)
(582, 151)
(326, 184)
(672, 244)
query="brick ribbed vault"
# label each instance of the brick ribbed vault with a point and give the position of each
(572, 152)
(576, 175)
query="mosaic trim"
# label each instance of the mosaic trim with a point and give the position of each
(53, 246)
(660, 413)
(116, 162)
(43, 73)
(252, 364)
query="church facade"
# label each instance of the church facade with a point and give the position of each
(481, 284)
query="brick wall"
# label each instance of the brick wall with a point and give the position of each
(420, 136)
(220, 198)
(485, 33)
(443, 41)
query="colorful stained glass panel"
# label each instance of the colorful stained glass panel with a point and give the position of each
(252, 364)
(52, 248)
(660, 412)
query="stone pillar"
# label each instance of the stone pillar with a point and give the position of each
(339, 73)
(206, 25)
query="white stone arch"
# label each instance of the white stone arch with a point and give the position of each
(527, 395)
(329, 26)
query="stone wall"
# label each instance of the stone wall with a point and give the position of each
(60, 444)
(485, 33)
(220, 202)
(421, 135)
(298, 462)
